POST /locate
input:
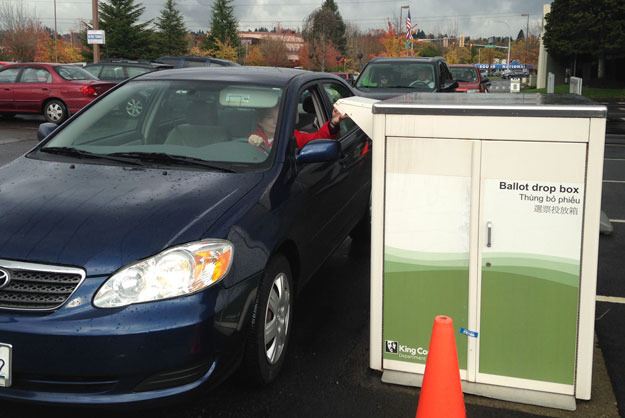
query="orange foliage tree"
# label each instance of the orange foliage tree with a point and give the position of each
(323, 57)
(394, 44)
(254, 56)
(65, 52)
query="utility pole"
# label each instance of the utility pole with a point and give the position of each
(96, 26)
(56, 53)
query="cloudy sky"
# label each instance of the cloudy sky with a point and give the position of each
(469, 17)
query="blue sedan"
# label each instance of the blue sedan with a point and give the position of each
(149, 246)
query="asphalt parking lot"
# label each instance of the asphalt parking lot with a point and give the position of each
(326, 372)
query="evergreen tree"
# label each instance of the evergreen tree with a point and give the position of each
(172, 33)
(125, 38)
(520, 36)
(326, 25)
(223, 26)
(586, 28)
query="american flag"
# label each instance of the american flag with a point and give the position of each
(408, 26)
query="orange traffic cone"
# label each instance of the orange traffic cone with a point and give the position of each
(441, 393)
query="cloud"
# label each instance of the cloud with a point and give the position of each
(468, 17)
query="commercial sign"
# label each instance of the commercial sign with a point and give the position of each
(95, 37)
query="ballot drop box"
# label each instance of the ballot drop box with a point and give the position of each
(485, 207)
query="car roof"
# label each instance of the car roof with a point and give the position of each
(407, 59)
(240, 74)
(197, 58)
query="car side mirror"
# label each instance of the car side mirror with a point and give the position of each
(319, 151)
(45, 129)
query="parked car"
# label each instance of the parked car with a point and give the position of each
(469, 79)
(119, 70)
(383, 78)
(193, 61)
(144, 257)
(53, 90)
(515, 73)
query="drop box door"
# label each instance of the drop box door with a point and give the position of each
(426, 245)
(530, 237)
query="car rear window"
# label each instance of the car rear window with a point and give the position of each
(69, 72)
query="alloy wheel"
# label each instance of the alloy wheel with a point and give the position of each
(277, 318)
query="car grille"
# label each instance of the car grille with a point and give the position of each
(37, 287)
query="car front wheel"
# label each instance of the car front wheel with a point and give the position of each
(55, 111)
(270, 329)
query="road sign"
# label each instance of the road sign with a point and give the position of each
(95, 37)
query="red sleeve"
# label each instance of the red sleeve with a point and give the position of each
(303, 138)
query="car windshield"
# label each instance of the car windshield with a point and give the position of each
(464, 74)
(201, 121)
(69, 72)
(413, 75)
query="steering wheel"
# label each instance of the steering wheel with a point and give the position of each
(418, 83)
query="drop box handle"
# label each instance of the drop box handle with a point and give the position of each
(489, 234)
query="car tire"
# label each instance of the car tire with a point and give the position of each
(270, 328)
(55, 111)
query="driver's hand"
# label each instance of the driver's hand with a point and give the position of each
(255, 140)
(337, 116)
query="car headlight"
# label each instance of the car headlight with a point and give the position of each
(177, 271)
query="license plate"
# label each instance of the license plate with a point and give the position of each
(5, 364)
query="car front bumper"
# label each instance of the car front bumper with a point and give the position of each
(85, 355)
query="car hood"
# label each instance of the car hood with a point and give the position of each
(383, 94)
(103, 217)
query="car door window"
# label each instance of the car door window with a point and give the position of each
(35, 75)
(9, 75)
(309, 111)
(113, 72)
(94, 69)
(134, 71)
(334, 92)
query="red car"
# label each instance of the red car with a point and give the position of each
(54, 90)
(469, 79)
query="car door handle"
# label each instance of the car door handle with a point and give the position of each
(489, 234)
(44, 89)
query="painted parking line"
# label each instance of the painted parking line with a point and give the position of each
(614, 181)
(614, 159)
(610, 299)
(618, 221)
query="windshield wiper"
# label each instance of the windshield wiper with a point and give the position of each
(75, 152)
(162, 157)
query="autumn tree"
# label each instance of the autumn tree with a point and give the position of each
(63, 52)
(125, 36)
(172, 34)
(19, 31)
(274, 52)
(458, 55)
(254, 56)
